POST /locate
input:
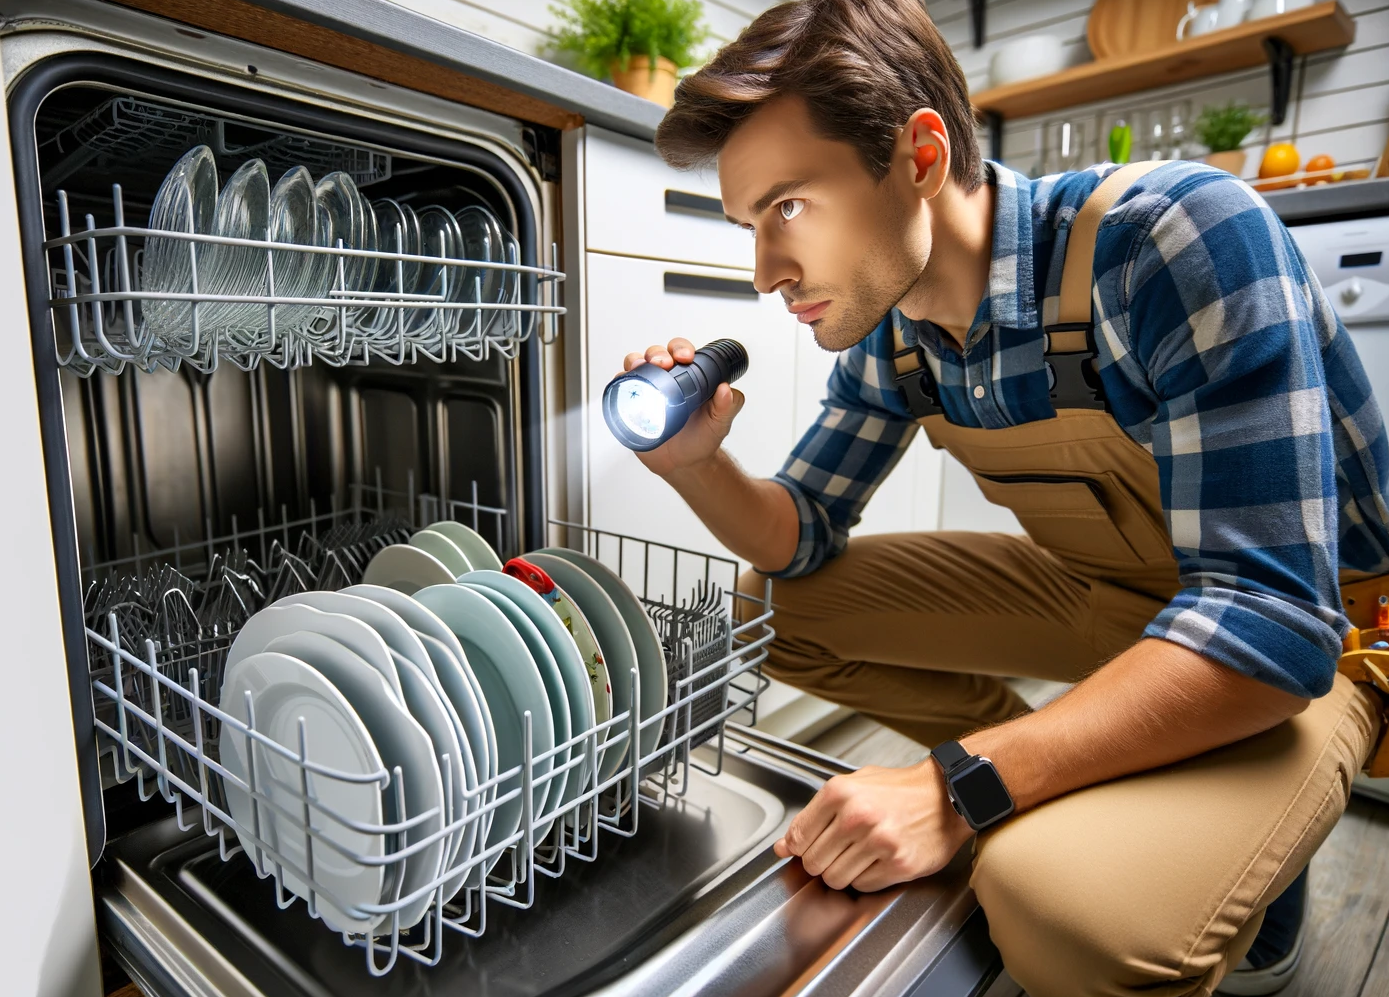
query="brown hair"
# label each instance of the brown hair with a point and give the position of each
(862, 67)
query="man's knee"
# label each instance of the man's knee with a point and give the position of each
(793, 656)
(1062, 934)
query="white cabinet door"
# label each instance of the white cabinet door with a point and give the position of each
(636, 205)
(629, 308)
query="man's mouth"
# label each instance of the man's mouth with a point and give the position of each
(808, 313)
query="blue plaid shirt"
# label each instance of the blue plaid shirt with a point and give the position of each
(1219, 354)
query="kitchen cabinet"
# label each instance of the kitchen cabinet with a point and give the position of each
(636, 205)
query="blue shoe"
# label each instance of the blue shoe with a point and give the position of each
(1273, 959)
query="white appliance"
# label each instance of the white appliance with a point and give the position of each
(1351, 260)
(113, 474)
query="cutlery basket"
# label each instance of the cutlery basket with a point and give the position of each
(159, 627)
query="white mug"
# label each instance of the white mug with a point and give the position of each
(1269, 8)
(1225, 14)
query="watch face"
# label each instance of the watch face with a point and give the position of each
(981, 792)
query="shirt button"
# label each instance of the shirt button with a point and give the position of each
(978, 391)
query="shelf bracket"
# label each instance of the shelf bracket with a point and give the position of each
(993, 121)
(976, 20)
(1280, 65)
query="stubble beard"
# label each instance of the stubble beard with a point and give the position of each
(876, 287)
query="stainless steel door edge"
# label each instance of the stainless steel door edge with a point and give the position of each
(164, 954)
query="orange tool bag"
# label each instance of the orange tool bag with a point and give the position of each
(1366, 604)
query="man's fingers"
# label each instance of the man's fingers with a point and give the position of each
(827, 847)
(816, 816)
(633, 360)
(681, 349)
(852, 863)
(878, 876)
(660, 356)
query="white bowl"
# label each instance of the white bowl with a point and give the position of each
(1026, 58)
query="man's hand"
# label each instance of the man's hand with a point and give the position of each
(877, 827)
(704, 433)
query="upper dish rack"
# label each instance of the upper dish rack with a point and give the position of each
(128, 129)
(104, 320)
(156, 685)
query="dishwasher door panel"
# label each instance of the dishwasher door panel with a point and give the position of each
(695, 904)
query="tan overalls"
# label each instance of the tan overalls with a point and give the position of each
(1150, 885)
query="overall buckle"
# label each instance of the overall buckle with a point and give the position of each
(1070, 361)
(918, 386)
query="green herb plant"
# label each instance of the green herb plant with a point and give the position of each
(602, 33)
(1223, 129)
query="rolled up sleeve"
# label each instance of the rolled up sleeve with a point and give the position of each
(840, 461)
(1221, 316)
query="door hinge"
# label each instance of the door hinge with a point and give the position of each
(542, 150)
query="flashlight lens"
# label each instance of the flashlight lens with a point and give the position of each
(642, 408)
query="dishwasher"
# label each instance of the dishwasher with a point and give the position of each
(197, 467)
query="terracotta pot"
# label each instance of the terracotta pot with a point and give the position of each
(1230, 162)
(638, 79)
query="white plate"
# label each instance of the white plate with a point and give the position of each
(554, 690)
(470, 709)
(477, 550)
(283, 689)
(511, 684)
(406, 569)
(457, 682)
(578, 691)
(444, 549)
(402, 743)
(405, 646)
(613, 639)
(381, 618)
(277, 620)
(651, 655)
(440, 722)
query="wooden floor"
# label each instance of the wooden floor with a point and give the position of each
(1347, 952)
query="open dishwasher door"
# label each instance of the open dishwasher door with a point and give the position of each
(694, 904)
(159, 451)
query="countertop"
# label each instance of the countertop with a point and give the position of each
(393, 27)
(1329, 202)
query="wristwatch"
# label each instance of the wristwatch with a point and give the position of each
(976, 789)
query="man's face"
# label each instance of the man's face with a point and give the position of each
(840, 246)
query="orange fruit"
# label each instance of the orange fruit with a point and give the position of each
(1280, 160)
(1318, 163)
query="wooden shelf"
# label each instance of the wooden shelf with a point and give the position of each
(1312, 29)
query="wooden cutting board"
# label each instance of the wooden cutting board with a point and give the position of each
(1124, 27)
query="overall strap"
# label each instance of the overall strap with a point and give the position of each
(1070, 341)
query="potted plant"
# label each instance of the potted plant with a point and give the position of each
(1223, 130)
(638, 43)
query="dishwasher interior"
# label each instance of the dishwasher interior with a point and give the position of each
(197, 473)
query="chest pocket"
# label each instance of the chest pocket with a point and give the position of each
(1094, 522)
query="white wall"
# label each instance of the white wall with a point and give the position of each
(1341, 97)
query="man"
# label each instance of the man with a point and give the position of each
(1189, 495)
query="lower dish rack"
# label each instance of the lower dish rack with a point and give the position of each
(159, 629)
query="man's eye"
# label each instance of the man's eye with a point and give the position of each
(791, 208)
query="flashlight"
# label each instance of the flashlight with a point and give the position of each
(648, 405)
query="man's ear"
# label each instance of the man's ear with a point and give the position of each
(925, 143)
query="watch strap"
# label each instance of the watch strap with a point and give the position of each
(948, 754)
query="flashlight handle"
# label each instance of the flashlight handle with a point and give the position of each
(722, 360)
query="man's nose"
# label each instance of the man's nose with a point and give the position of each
(772, 268)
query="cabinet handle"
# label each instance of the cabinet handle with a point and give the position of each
(689, 283)
(698, 204)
